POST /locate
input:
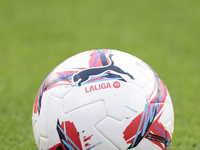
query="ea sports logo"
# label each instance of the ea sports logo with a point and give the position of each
(116, 84)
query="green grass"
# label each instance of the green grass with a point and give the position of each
(35, 36)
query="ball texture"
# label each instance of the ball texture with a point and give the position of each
(103, 100)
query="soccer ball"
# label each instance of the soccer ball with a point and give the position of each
(103, 99)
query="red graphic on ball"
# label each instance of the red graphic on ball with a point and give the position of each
(116, 84)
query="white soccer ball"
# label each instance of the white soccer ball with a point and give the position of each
(103, 100)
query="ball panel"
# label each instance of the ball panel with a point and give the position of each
(107, 91)
(136, 99)
(44, 112)
(61, 91)
(36, 134)
(44, 143)
(85, 120)
(112, 129)
(140, 79)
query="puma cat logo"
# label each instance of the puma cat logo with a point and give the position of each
(84, 75)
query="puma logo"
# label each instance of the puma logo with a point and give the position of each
(84, 75)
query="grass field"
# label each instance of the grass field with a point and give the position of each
(35, 36)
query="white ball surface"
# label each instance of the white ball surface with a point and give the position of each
(103, 100)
